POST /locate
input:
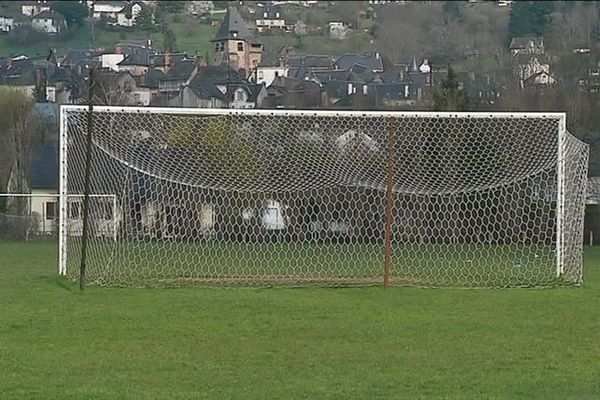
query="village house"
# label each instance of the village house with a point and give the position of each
(526, 45)
(269, 17)
(7, 23)
(106, 10)
(337, 30)
(31, 8)
(50, 22)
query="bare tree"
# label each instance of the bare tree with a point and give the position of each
(19, 130)
(113, 88)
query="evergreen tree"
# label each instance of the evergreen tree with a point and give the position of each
(169, 40)
(74, 12)
(530, 18)
(449, 96)
(145, 19)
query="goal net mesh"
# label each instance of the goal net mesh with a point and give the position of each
(290, 198)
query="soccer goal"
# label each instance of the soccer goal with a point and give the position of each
(285, 197)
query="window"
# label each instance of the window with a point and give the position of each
(261, 75)
(240, 46)
(50, 210)
(240, 95)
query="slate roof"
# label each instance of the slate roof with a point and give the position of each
(181, 70)
(233, 26)
(49, 14)
(396, 74)
(526, 41)
(17, 72)
(271, 12)
(390, 90)
(134, 60)
(133, 48)
(311, 61)
(159, 60)
(44, 167)
(334, 75)
(79, 56)
(370, 62)
(152, 77)
(204, 84)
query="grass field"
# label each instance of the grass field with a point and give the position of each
(352, 343)
(192, 37)
(177, 263)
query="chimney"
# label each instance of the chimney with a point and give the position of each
(9, 63)
(168, 60)
(149, 43)
(119, 49)
(39, 76)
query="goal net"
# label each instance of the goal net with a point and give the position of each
(263, 197)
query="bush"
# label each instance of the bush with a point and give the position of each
(24, 35)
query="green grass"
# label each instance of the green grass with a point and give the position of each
(292, 264)
(353, 343)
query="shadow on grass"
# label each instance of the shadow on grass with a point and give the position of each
(63, 283)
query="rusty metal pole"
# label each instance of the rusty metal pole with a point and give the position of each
(389, 206)
(86, 190)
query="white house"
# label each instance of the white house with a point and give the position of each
(107, 9)
(6, 23)
(128, 15)
(537, 66)
(337, 30)
(59, 92)
(42, 184)
(111, 61)
(541, 78)
(527, 45)
(51, 22)
(267, 74)
(269, 18)
(32, 8)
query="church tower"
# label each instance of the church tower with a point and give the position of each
(235, 47)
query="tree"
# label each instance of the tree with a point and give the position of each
(165, 8)
(19, 130)
(169, 40)
(452, 10)
(145, 19)
(529, 18)
(75, 12)
(113, 88)
(24, 35)
(170, 7)
(449, 96)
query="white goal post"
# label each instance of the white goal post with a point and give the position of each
(299, 197)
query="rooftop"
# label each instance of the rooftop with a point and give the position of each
(233, 26)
